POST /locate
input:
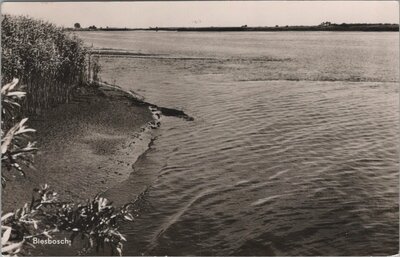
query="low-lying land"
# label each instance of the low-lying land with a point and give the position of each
(321, 27)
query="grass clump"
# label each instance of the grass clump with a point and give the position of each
(49, 61)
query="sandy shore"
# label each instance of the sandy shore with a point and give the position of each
(86, 146)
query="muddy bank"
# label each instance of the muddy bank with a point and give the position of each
(86, 146)
(139, 100)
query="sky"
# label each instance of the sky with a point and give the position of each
(204, 13)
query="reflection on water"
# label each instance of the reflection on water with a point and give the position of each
(293, 150)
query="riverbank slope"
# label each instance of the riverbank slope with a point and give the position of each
(85, 146)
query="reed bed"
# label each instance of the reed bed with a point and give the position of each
(48, 61)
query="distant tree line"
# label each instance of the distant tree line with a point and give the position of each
(324, 26)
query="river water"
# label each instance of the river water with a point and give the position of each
(293, 149)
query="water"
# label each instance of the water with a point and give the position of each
(293, 150)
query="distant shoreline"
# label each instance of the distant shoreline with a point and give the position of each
(362, 27)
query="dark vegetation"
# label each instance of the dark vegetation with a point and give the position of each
(49, 62)
(45, 64)
(328, 27)
(325, 26)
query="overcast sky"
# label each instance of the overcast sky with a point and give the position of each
(224, 13)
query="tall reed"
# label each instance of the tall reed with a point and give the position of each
(49, 61)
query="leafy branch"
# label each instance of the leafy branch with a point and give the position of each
(95, 221)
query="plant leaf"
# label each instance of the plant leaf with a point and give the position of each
(6, 236)
(6, 216)
(12, 247)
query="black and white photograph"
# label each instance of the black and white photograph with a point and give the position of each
(200, 128)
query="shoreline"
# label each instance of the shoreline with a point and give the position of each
(155, 109)
(85, 146)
